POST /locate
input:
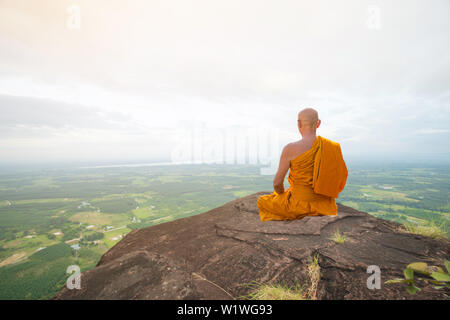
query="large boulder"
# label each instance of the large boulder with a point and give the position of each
(217, 254)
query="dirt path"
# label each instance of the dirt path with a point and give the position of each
(13, 259)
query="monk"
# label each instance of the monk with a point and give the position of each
(317, 174)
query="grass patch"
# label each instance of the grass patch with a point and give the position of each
(261, 291)
(429, 230)
(314, 278)
(338, 237)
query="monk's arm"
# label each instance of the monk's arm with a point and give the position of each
(278, 182)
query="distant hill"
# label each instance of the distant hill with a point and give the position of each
(215, 255)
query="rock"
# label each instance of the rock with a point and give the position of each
(215, 255)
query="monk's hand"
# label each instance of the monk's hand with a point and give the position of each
(279, 189)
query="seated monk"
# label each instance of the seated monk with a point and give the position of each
(317, 175)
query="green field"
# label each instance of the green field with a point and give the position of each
(43, 213)
(400, 193)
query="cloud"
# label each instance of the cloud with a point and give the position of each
(265, 49)
(36, 113)
(149, 71)
(38, 130)
(433, 131)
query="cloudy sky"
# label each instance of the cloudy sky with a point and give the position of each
(117, 81)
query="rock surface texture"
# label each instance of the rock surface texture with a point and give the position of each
(215, 255)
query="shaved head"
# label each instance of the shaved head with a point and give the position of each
(308, 118)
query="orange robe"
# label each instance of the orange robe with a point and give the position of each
(316, 177)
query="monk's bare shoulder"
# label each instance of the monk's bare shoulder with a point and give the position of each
(294, 149)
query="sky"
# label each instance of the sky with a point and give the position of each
(212, 80)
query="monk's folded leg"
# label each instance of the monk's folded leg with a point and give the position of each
(273, 207)
(325, 207)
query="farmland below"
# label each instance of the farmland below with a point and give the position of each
(51, 219)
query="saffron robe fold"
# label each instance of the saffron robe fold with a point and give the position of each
(316, 177)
